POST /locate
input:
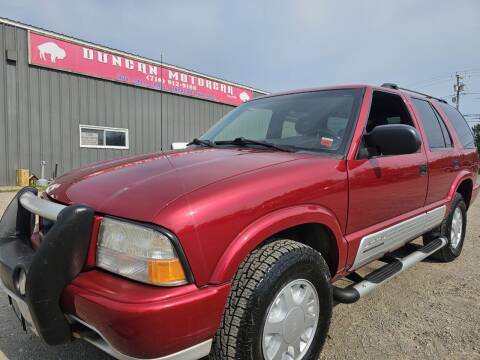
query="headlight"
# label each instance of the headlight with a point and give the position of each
(139, 253)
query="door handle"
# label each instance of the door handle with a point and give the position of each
(423, 170)
(456, 164)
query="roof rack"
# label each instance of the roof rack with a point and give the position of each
(390, 86)
(396, 87)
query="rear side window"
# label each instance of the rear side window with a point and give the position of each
(431, 124)
(464, 131)
(446, 133)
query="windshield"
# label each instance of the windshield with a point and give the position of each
(312, 121)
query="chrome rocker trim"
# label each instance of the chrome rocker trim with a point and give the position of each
(95, 338)
(374, 246)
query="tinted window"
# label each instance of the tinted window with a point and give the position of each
(289, 129)
(312, 121)
(337, 125)
(464, 131)
(115, 138)
(446, 133)
(430, 123)
(386, 109)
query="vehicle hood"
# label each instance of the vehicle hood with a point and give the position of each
(139, 187)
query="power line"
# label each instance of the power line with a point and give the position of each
(473, 72)
(435, 83)
(427, 82)
(461, 78)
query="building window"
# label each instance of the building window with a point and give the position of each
(100, 137)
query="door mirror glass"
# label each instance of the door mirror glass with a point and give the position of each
(396, 139)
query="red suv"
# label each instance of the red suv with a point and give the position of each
(232, 246)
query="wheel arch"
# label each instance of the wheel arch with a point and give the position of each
(464, 186)
(317, 236)
(303, 222)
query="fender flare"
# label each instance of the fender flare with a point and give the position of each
(462, 176)
(270, 224)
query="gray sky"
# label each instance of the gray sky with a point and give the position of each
(280, 44)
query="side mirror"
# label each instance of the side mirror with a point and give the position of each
(395, 139)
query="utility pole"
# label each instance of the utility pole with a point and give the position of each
(458, 88)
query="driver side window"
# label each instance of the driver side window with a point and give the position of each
(386, 109)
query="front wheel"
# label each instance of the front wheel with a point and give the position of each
(279, 306)
(453, 228)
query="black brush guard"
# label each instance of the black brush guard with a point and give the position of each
(59, 259)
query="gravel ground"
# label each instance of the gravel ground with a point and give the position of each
(430, 312)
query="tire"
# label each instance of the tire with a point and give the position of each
(261, 279)
(453, 249)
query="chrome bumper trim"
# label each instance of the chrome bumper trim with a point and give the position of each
(43, 208)
(98, 340)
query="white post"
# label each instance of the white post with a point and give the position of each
(42, 181)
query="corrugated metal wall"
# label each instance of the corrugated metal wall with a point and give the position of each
(41, 111)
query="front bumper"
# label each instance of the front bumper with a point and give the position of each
(49, 269)
(142, 321)
(61, 301)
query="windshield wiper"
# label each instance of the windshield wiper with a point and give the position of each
(200, 142)
(241, 141)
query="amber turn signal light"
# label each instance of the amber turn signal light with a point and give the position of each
(164, 272)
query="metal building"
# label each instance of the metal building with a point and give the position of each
(70, 102)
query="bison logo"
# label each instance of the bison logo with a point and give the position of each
(52, 49)
(244, 96)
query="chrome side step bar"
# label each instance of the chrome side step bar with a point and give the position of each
(353, 293)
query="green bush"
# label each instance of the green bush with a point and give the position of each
(476, 133)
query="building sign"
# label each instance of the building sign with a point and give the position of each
(69, 56)
(89, 138)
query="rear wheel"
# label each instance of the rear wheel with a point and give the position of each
(453, 228)
(279, 307)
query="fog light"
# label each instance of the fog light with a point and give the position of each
(20, 282)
